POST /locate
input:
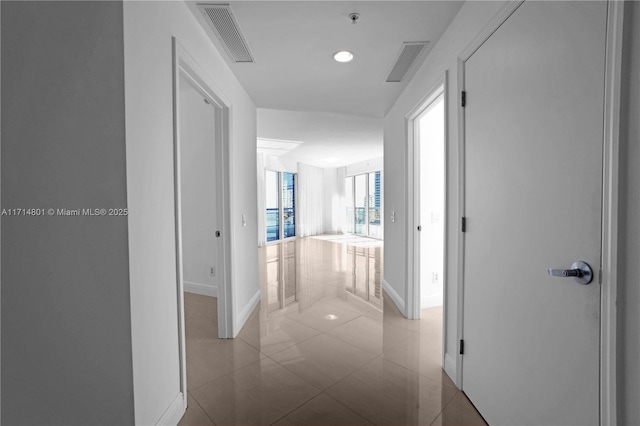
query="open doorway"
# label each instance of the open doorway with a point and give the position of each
(201, 204)
(199, 222)
(427, 207)
(430, 133)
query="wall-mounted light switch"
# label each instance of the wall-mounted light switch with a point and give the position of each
(212, 271)
(393, 217)
(244, 219)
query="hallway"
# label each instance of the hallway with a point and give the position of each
(325, 347)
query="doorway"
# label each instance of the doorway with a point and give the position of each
(430, 133)
(198, 195)
(426, 204)
(201, 196)
(427, 138)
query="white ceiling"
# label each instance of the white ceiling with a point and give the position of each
(293, 43)
(327, 139)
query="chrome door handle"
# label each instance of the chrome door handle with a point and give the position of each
(566, 272)
(580, 270)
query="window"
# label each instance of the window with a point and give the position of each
(363, 202)
(280, 205)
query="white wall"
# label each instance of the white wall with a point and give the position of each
(280, 164)
(148, 28)
(327, 139)
(371, 165)
(66, 325)
(470, 21)
(198, 197)
(629, 242)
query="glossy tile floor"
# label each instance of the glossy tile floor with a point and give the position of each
(319, 350)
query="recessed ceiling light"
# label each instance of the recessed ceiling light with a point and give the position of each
(343, 56)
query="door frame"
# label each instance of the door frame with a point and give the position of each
(185, 66)
(412, 263)
(610, 173)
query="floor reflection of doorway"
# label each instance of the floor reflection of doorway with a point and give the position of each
(364, 274)
(281, 275)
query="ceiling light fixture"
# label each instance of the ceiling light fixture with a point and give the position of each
(343, 56)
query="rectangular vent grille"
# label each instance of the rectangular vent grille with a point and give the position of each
(405, 60)
(220, 18)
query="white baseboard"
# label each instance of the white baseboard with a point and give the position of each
(202, 289)
(246, 312)
(431, 301)
(395, 297)
(174, 412)
(450, 367)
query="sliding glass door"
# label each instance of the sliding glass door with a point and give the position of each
(288, 204)
(272, 183)
(360, 202)
(280, 205)
(375, 225)
(363, 202)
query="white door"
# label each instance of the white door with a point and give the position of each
(533, 173)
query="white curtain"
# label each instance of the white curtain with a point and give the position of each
(310, 200)
(262, 231)
(340, 209)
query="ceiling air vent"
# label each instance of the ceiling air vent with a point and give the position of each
(220, 18)
(407, 57)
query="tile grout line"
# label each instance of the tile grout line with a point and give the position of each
(345, 406)
(295, 408)
(201, 408)
(445, 406)
(229, 373)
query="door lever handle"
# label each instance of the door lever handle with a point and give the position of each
(580, 270)
(565, 272)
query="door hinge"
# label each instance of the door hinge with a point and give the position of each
(461, 347)
(464, 224)
(463, 98)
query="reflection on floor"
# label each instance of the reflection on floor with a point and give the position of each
(319, 350)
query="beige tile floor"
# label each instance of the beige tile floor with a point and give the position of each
(325, 347)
